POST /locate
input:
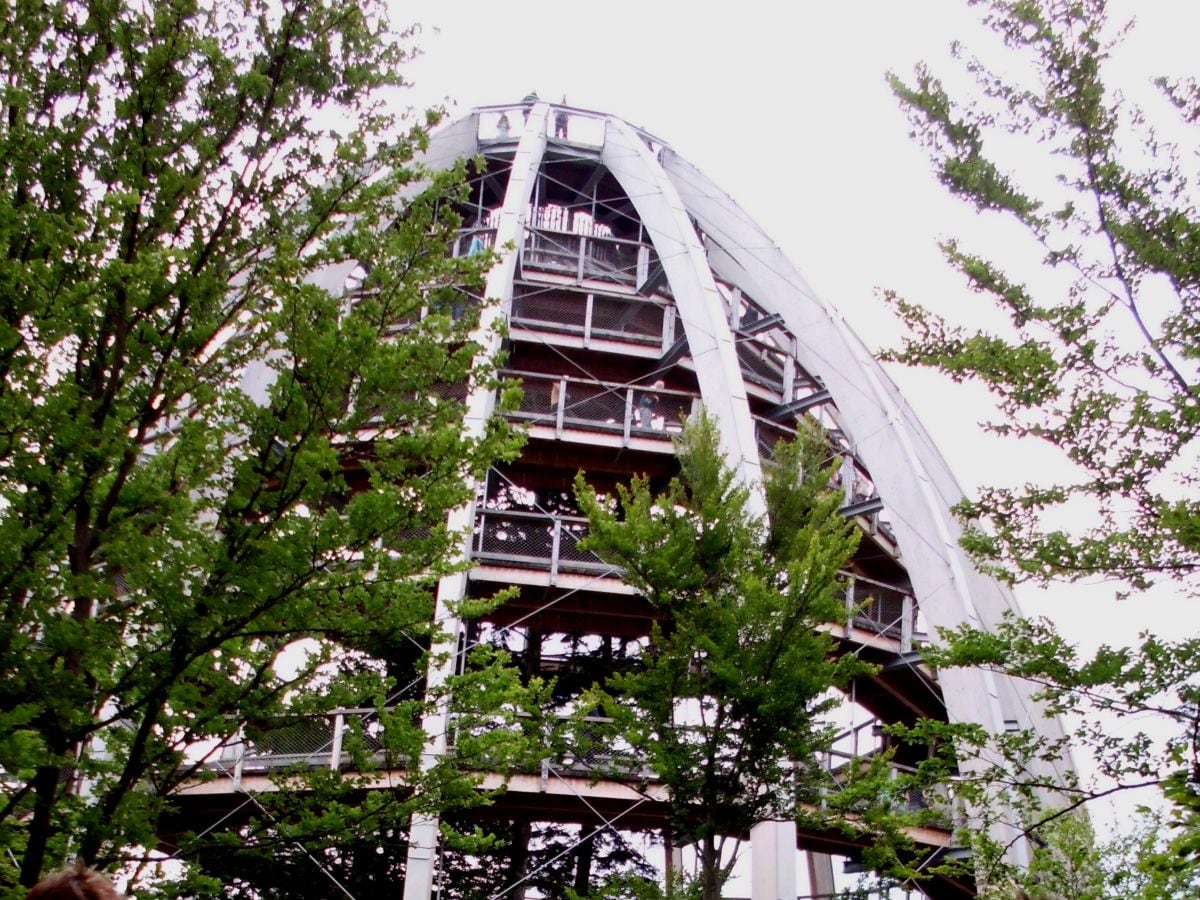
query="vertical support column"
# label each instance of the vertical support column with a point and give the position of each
(668, 331)
(629, 414)
(820, 874)
(672, 862)
(510, 230)
(335, 749)
(773, 861)
(906, 624)
(555, 546)
(560, 406)
(240, 762)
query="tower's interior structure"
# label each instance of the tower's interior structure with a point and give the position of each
(634, 291)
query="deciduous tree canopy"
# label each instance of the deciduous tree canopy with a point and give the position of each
(208, 449)
(1098, 358)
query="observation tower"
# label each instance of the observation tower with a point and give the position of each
(623, 272)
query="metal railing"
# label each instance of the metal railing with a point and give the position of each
(330, 740)
(883, 609)
(474, 240)
(500, 124)
(588, 747)
(862, 499)
(619, 409)
(856, 747)
(530, 539)
(763, 365)
(587, 257)
(593, 316)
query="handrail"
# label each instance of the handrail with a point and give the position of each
(531, 539)
(596, 755)
(627, 410)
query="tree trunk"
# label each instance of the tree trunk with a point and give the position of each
(518, 860)
(583, 863)
(45, 787)
(710, 869)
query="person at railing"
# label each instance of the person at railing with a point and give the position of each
(476, 246)
(561, 119)
(503, 127)
(557, 392)
(529, 99)
(646, 404)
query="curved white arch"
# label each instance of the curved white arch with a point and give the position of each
(710, 340)
(910, 474)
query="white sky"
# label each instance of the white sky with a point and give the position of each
(783, 104)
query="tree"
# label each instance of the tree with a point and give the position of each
(209, 450)
(733, 683)
(1096, 357)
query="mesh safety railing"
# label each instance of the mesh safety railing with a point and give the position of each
(321, 740)
(883, 609)
(762, 365)
(628, 410)
(521, 538)
(854, 748)
(599, 316)
(474, 240)
(587, 257)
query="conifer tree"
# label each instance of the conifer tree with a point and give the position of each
(728, 699)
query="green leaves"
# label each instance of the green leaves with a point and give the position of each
(210, 457)
(737, 674)
(1099, 369)
(1098, 363)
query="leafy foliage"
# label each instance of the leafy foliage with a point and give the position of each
(1098, 360)
(207, 451)
(737, 675)
(1102, 368)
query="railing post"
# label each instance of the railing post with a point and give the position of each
(335, 748)
(579, 265)
(589, 305)
(556, 537)
(240, 762)
(628, 416)
(906, 624)
(827, 763)
(849, 605)
(668, 328)
(561, 407)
